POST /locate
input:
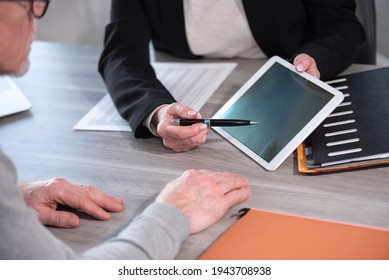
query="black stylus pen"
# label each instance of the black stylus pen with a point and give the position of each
(212, 122)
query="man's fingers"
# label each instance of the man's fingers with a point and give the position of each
(89, 200)
(85, 204)
(60, 219)
(229, 181)
(103, 199)
(237, 196)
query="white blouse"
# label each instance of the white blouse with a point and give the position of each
(219, 29)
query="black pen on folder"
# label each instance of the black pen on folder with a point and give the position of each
(212, 122)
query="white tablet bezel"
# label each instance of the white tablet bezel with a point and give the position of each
(299, 137)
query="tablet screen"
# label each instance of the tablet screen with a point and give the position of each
(283, 102)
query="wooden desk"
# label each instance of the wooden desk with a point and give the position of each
(63, 85)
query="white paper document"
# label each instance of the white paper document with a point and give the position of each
(12, 99)
(191, 84)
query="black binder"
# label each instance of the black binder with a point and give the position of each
(356, 134)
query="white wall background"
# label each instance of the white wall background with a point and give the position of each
(382, 8)
(75, 21)
(83, 21)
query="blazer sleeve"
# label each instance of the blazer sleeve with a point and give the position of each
(327, 30)
(125, 65)
(335, 35)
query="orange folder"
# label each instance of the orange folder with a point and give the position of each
(276, 236)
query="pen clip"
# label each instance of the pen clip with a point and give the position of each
(241, 213)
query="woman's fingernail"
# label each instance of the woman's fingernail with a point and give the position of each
(300, 67)
(204, 126)
(192, 113)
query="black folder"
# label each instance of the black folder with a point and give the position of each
(356, 134)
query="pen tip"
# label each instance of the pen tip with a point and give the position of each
(253, 122)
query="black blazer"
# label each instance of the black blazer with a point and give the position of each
(327, 30)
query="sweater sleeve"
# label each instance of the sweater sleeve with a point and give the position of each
(157, 233)
(22, 235)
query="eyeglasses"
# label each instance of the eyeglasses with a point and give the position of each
(38, 7)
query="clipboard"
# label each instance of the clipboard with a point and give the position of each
(269, 235)
(302, 164)
(356, 134)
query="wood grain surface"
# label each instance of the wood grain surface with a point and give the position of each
(63, 84)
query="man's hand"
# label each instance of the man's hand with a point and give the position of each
(205, 196)
(305, 63)
(45, 196)
(179, 138)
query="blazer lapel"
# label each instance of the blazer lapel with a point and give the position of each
(276, 31)
(172, 19)
(259, 15)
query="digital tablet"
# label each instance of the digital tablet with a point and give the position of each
(287, 105)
